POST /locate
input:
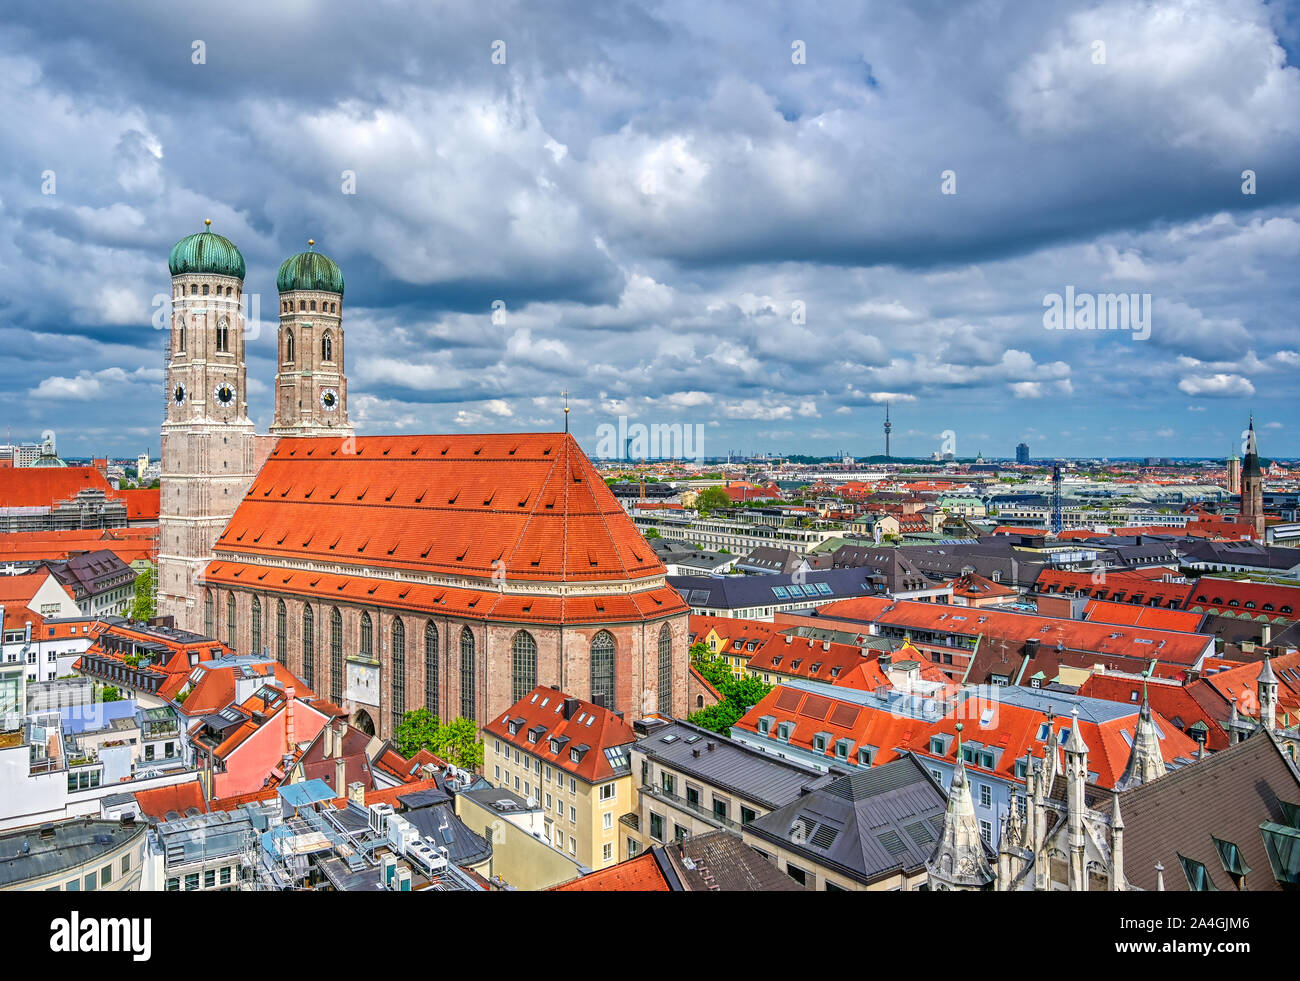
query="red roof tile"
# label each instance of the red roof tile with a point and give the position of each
(639, 874)
(530, 503)
(178, 798)
(541, 715)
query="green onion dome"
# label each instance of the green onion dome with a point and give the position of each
(206, 252)
(310, 270)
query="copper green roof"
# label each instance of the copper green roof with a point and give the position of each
(310, 270)
(206, 252)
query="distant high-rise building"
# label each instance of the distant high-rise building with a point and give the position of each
(1252, 486)
(1022, 453)
(888, 427)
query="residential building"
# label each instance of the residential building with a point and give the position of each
(692, 781)
(570, 756)
(868, 831)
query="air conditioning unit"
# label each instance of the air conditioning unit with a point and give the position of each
(388, 870)
(403, 880)
(432, 860)
(401, 835)
(379, 815)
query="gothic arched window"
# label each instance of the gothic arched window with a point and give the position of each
(223, 335)
(431, 667)
(602, 669)
(336, 656)
(399, 672)
(327, 347)
(665, 702)
(288, 346)
(230, 622)
(256, 646)
(309, 647)
(281, 632)
(180, 340)
(466, 674)
(208, 613)
(367, 636)
(523, 663)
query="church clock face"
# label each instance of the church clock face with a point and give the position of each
(329, 400)
(178, 394)
(225, 393)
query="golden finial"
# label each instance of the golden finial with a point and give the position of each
(566, 410)
(207, 222)
(311, 243)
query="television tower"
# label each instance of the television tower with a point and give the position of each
(888, 427)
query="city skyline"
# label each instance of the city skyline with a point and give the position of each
(762, 243)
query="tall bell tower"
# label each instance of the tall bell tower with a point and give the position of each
(208, 444)
(311, 385)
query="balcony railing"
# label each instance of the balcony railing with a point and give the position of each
(685, 805)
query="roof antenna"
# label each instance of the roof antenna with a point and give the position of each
(565, 393)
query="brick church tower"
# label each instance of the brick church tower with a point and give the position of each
(208, 446)
(1252, 485)
(311, 388)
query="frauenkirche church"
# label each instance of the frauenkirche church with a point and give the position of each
(390, 572)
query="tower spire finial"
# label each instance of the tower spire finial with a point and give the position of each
(311, 244)
(207, 222)
(565, 393)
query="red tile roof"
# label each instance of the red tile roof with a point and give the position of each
(22, 589)
(974, 586)
(541, 714)
(1104, 611)
(452, 505)
(1240, 685)
(26, 487)
(1014, 729)
(1017, 628)
(803, 657)
(128, 544)
(639, 874)
(1173, 700)
(1230, 596)
(142, 504)
(1128, 585)
(179, 798)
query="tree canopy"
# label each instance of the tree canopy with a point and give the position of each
(144, 606)
(456, 741)
(739, 695)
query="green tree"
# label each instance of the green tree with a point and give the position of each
(711, 499)
(716, 718)
(739, 695)
(110, 694)
(418, 730)
(145, 605)
(456, 741)
(651, 533)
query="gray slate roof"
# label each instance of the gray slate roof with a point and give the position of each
(757, 776)
(867, 825)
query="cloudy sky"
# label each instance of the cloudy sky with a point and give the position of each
(730, 215)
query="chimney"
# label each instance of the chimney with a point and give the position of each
(1266, 634)
(357, 793)
(288, 719)
(340, 775)
(571, 707)
(712, 745)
